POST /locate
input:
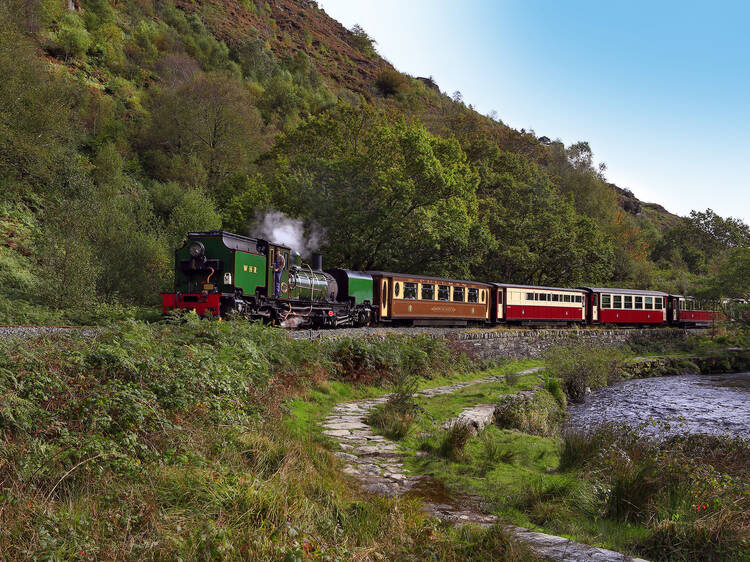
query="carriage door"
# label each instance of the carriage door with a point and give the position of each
(384, 294)
(594, 307)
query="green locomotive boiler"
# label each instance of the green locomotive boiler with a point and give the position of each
(223, 274)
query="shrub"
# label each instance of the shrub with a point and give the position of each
(390, 82)
(73, 38)
(579, 367)
(454, 439)
(535, 412)
(362, 41)
(554, 387)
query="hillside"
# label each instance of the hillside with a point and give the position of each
(125, 124)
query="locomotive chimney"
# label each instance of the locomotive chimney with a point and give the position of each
(317, 261)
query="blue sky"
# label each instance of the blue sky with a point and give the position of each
(661, 90)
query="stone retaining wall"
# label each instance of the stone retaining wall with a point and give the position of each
(518, 344)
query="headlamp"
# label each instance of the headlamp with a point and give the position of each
(197, 250)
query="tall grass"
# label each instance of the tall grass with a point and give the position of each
(165, 442)
(691, 491)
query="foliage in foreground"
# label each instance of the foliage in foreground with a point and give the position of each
(691, 491)
(165, 442)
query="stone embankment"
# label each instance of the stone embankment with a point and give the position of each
(377, 463)
(516, 343)
(535, 343)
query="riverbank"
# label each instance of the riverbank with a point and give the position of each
(672, 496)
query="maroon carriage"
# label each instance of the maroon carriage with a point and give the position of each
(531, 304)
(684, 311)
(626, 306)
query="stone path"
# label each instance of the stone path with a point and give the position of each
(377, 463)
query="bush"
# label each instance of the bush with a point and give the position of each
(579, 367)
(73, 38)
(390, 82)
(690, 491)
(535, 412)
(453, 441)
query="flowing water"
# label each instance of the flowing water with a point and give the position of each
(715, 404)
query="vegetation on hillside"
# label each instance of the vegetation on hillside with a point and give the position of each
(124, 125)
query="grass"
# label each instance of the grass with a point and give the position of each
(171, 442)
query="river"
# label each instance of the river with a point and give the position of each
(715, 404)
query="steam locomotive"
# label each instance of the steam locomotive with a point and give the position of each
(223, 274)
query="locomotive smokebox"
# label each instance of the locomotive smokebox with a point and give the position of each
(317, 261)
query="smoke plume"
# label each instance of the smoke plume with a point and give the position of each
(278, 228)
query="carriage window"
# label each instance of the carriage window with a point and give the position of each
(444, 293)
(397, 289)
(428, 292)
(638, 303)
(606, 301)
(682, 304)
(473, 295)
(658, 303)
(529, 296)
(649, 303)
(458, 294)
(385, 292)
(542, 296)
(628, 302)
(500, 296)
(410, 290)
(555, 298)
(566, 298)
(616, 301)
(578, 298)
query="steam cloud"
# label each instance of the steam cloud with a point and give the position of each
(278, 228)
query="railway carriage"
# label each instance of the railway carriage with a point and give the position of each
(529, 304)
(684, 311)
(625, 306)
(430, 301)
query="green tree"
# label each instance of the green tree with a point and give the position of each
(537, 236)
(388, 195)
(210, 117)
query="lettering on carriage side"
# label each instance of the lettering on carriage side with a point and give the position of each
(443, 309)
